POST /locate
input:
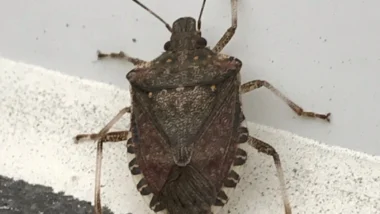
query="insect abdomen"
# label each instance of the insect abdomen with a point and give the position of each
(188, 191)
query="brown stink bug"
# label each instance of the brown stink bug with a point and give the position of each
(187, 133)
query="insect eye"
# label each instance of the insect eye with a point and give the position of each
(201, 42)
(167, 46)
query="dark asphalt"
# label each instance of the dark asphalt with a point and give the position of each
(19, 197)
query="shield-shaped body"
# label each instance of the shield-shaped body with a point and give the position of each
(186, 126)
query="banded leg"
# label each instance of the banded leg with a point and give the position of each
(114, 120)
(105, 129)
(101, 137)
(121, 55)
(230, 32)
(269, 150)
(255, 84)
(109, 137)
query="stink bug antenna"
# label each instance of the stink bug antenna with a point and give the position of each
(200, 15)
(154, 14)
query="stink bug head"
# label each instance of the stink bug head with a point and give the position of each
(185, 36)
(184, 24)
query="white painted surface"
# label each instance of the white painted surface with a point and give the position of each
(42, 110)
(325, 55)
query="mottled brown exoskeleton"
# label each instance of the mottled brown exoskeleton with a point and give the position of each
(187, 135)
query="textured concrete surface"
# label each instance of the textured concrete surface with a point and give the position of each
(19, 197)
(41, 110)
(325, 55)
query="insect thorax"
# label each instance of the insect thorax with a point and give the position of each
(181, 90)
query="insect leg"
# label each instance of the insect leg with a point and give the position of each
(269, 150)
(114, 120)
(121, 55)
(104, 130)
(109, 137)
(101, 137)
(230, 32)
(252, 85)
